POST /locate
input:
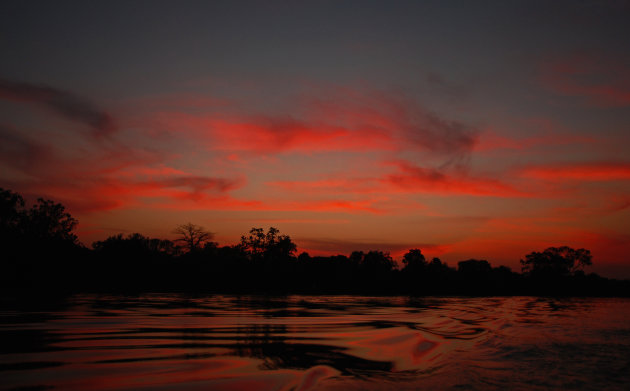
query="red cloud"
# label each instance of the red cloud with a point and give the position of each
(112, 181)
(582, 172)
(549, 134)
(226, 202)
(336, 186)
(418, 179)
(90, 195)
(601, 79)
(267, 134)
(408, 122)
(106, 177)
(344, 121)
(337, 205)
(407, 179)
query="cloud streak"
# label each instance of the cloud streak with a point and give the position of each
(411, 124)
(599, 78)
(413, 178)
(63, 103)
(407, 178)
(99, 179)
(344, 121)
(20, 152)
(88, 195)
(277, 134)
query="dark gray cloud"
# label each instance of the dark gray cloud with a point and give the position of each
(402, 117)
(438, 83)
(20, 152)
(63, 103)
(441, 135)
(422, 127)
(200, 184)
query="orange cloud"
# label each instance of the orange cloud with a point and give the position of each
(426, 181)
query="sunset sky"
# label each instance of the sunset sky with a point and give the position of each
(467, 129)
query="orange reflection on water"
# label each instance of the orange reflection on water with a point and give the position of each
(302, 343)
(406, 348)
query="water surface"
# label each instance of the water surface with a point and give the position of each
(177, 342)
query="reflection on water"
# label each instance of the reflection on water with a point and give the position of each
(315, 343)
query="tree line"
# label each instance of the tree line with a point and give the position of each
(41, 253)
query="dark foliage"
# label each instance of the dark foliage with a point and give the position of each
(192, 237)
(39, 247)
(556, 262)
(41, 253)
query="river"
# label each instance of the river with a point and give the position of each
(222, 342)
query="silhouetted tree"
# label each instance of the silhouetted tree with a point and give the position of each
(40, 252)
(39, 247)
(304, 257)
(271, 259)
(377, 262)
(11, 210)
(133, 262)
(12, 241)
(556, 261)
(254, 243)
(436, 265)
(375, 270)
(133, 245)
(45, 221)
(356, 257)
(49, 221)
(474, 276)
(258, 244)
(192, 236)
(414, 261)
(474, 266)
(12, 215)
(164, 246)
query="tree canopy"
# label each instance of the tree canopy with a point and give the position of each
(46, 220)
(192, 236)
(258, 244)
(414, 261)
(41, 251)
(556, 261)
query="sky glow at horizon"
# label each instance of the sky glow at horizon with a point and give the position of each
(470, 130)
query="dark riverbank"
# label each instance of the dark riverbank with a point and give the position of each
(41, 255)
(90, 272)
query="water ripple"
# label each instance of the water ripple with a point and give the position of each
(172, 342)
